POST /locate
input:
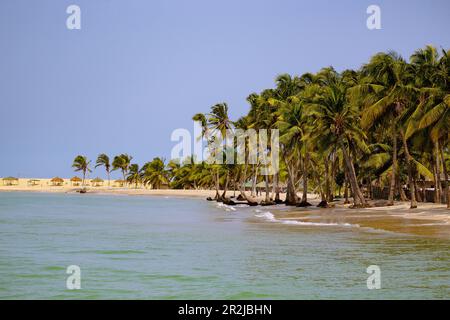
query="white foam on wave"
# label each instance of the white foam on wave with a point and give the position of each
(432, 224)
(268, 216)
(227, 208)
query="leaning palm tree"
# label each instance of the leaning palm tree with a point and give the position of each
(122, 162)
(103, 160)
(81, 163)
(337, 123)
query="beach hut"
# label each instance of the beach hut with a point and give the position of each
(33, 182)
(262, 184)
(76, 181)
(97, 182)
(10, 181)
(119, 183)
(57, 182)
(248, 185)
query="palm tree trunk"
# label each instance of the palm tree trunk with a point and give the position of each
(327, 182)
(291, 195)
(418, 197)
(370, 187)
(225, 188)
(277, 187)
(234, 186)
(109, 179)
(394, 167)
(400, 189)
(358, 197)
(446, 186)
(254, 178)
(274, 182)
(412, 190)
(243, 179)
(346, 201)
(217, 181)
(266, 178)
(437, 175)
(333, 176)
(305, 179)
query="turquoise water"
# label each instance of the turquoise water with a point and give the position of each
(133, 247)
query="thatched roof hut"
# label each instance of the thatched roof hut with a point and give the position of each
(75, 181)
(10, 181)
(97, 182)
(33, 182)
(57, 181)
(119, 183)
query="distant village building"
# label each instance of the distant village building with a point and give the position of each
(10, 181)
(33, 182)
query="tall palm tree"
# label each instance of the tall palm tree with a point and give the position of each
(103, 160)
(337, 123)
(388, 89)
(122, 162)
(286, 94)
(81, 163)
(214, 123)
(134, 175)
(433, 110)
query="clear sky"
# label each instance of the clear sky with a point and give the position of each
(137, 70)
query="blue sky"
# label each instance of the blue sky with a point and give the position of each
(137, 70)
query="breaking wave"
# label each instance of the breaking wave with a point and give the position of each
(268, 216)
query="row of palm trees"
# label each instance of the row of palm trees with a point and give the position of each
(384, 125)
(152, 173)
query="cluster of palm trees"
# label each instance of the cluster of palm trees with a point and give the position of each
(384, 126)
(153, 173)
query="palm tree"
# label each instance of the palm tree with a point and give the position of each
(384, 124)
(244, 123)
(103, 160)
(388, 90)
(286, 96)
(337, 123)
(81, 163)
(433, 110)
(122, 162)
(154, 173)
(213, 123)
(134, 175)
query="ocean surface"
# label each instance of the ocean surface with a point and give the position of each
(142, 247)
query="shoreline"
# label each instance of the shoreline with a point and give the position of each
(429, 219)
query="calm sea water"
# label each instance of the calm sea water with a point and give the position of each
(131, 247)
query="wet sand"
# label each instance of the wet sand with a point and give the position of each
(429, 220)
